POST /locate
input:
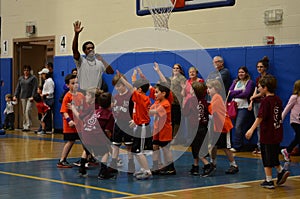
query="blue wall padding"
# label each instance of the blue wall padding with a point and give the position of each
(5, 83)
(282, 66)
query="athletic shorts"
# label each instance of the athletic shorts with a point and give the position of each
(160, 143)
(71, 136)
(122, 136)
(140, 143)
(224, 141)
(270, 154)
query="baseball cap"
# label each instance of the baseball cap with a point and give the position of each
(44, 71)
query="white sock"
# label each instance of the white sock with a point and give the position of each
(268, 178)
(233, 163)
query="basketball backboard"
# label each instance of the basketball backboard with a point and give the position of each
(141, 5)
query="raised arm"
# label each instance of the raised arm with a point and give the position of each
(161, 76)
(77, 30)
(125, 82)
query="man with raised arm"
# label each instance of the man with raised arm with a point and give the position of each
(91, 67)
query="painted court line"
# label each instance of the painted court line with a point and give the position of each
(66, 183)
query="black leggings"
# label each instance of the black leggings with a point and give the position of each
(199, 141)
(296, 140)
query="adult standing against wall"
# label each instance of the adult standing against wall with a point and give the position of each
(25, 90)
(221, 72)
(177, 79)
(262, 68)
(49, 66)
(91, 67)
(48, 96)
(240, 91)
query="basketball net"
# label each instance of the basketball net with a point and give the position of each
(160, 11)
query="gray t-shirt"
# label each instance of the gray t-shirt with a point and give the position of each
(89, 73)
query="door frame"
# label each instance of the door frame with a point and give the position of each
(48, 41)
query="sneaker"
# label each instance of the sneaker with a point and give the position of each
(105, 176)
(256, 151)
(141, 171)
(286, 155)
(144, 176)
(194, 170)
(233, 150)
(207, 170)
(168, 171)
(282, 176)
(232, 170)
(156, 170)
(63, 164)
(269, 185)
(41, 133)
(77, 163)
(82, 171)
(104, 173)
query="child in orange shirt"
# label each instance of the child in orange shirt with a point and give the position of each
(162, 130)
(69, 129)
(222, 125)
(142, 142)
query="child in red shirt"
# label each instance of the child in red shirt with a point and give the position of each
(271, 131)
(195, 109)
(96, 130)
(43, 110)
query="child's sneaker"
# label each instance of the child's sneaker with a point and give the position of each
(168, 171)
(104, 173)
(269, 185)
(141, 171)
(82, 171)
(207, 170)
(282, 176)
(63, 164)
(144, 176)
(194, 170)
(77, 163)
(286, 155)
(232, 170)
(41, 132)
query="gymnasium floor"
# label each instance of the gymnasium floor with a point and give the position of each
(28, 170)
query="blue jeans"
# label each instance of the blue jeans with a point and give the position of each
(256, 106)
(241, 126)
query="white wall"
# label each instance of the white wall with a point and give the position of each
(240, 25)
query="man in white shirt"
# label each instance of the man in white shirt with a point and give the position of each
(91, 67)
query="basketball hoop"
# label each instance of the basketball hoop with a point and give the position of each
(160, 11)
